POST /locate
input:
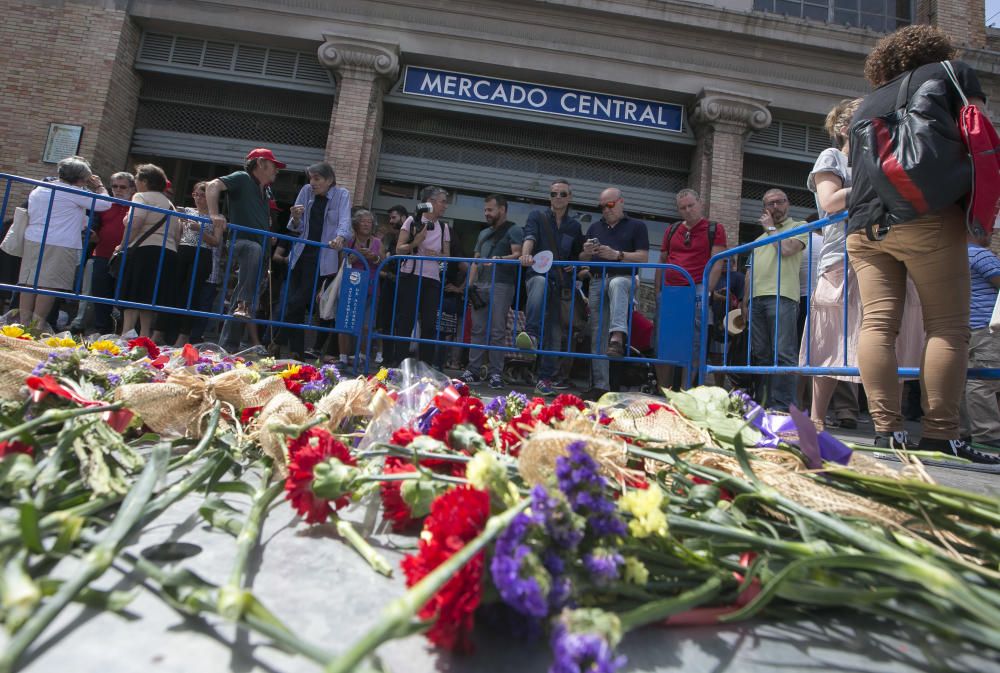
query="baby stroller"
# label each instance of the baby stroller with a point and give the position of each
(638, 375)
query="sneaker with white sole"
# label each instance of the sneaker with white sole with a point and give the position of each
(959, 449)
(560, 384)
(470, 378)
(544, 388)
(895, 440)
(496, 382)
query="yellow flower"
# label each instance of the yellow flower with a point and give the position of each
(60, 342)
(105, 346)
(635, 571)
(645, 506)
(15, 332)
(382, 375)
(291, 371)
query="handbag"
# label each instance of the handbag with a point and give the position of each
(115, 261)
(914, 158)
(13, 242)
(330, 293)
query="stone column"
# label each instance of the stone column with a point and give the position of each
(364, 70)
(721, 122)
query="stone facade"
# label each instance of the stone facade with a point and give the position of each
(67, 62)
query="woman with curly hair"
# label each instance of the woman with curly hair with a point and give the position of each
(930, 248)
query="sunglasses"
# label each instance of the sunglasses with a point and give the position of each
(561, 195)
(775, 202)
(609, 204)
(687, 239)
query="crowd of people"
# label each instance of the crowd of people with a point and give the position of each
(549, 285)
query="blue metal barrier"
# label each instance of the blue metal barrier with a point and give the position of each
(839, 219)
(175, 219)
(680, 340)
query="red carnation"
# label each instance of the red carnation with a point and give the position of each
(152, 352)
(190, 355)
(467, 410)
(403, 436)
(248, 414)
(395, 508)
(456, 517)
(308, 450)
(15, 446)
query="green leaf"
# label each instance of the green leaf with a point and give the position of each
(30, 532)
(240, 487)
(689, 406)
(220, 514)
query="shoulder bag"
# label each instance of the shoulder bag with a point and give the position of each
(13, 242)
(115, 261)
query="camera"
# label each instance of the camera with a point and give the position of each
(425, 207)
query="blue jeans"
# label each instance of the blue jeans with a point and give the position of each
(608, 314)
(247, 256)
(534, 312)
(781, 388)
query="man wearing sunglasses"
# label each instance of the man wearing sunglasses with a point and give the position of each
(689, 244)
(623, 240)
(552, 229)
(772, 292)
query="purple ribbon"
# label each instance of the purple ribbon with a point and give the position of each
(774, 428)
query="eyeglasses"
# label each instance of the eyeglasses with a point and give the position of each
(119, 185)
(609, 204)
(687, 239)
(775, 202)
(561, 195)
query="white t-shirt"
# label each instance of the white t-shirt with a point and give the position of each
(831, 160)
(68, 218)
(431, 245)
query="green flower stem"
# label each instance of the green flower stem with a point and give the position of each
(361, 545)
(659, 610)
(396, 618)
(95, 563)
(233, 596)
(296, 430)
(704, 529)
(205, 600)
(54, 417)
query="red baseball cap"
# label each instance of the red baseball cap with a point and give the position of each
(264, 153)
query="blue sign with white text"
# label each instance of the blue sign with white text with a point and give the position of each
(543, 99)
(353, 298)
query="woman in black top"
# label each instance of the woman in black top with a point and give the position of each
(931, 248)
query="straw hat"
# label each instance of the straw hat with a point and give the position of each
(735, 322)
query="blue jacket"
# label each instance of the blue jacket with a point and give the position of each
(337, 222)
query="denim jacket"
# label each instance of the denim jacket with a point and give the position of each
(337, 222)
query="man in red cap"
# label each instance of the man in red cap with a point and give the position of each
(249, 206)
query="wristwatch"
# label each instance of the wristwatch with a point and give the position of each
(621, 255)
(771, 229)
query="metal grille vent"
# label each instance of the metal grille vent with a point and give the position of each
(230, 124)
(187, 53)
(533, 161)
(763, 173)
(239, 97)
(499, 134)
(791, 138)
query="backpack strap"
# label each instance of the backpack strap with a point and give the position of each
(670, 237)
(950, 71)
(712, 227)
(903, 96)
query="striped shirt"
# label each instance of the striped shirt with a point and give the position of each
(983, 265)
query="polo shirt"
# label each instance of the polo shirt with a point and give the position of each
(983, 265)
(249, 205)
(565, 241)
(110, 230)
(692, 256)
(765, 264)
(488, 245)
(628, 235)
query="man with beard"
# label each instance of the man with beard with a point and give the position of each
(500, 240)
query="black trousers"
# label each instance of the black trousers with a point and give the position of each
(406, 315)
(301, 290)
(189, 278)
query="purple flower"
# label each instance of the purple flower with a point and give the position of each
(582, 652)
(517, 573)
(496, 407)
(603, 565)
(114, 380)
(552, 512)
(330, 373)
(578, 478)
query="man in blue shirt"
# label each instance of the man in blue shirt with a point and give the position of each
(980, 417)
(555, 230)
(622, 240)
